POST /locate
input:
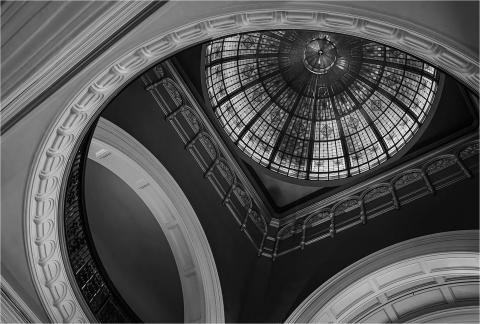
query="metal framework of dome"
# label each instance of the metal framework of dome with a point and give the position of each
(316, 105)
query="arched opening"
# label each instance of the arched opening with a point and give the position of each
(420, 280)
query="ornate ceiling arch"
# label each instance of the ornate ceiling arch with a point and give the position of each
(426, 277)
(120, 153)
(146, 45)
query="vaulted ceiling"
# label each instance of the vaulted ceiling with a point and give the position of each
(263, 290)
(275, 238)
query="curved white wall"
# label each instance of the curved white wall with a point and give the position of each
(422, 279)
(132, 247)
(120, 153)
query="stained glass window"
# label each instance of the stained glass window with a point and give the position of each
(315, 105)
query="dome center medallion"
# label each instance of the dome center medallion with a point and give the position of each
(319, 55)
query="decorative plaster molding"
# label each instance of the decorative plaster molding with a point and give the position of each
(464, 315)
(436, 49)
(120, 153)
(418, 175)
(455, 152)
(66, 131)
(13, 308)
(400, 282)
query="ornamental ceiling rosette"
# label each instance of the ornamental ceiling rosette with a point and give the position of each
(314, 105)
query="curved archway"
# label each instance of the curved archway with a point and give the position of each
(425, 278)
(134, 54)
(120, 153)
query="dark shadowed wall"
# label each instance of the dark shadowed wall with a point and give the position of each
(297, 274)
(136, 112)
(132, 247)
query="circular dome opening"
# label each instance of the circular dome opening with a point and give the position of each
(315, 105)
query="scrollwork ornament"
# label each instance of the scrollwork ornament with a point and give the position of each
(407, 179)
(376, 192)
(287, 231)
(324, 214)
(243, 196)
(173, 93)
(226, 172)
(208, 144)
(469, 151)
(346, 205)
(192, 120)
(440, 164)
(257, 220)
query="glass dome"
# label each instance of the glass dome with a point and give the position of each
(315, 105)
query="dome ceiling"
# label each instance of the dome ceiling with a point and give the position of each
(314, 105)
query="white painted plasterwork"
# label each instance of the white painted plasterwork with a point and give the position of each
(12, 308)
(416, 280)
(135, 55)
(463, 315)
(444, 52)
(70, 44)
(120, 153)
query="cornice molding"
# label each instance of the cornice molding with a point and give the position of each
(120, 153)
(48, 169)
(406, 264)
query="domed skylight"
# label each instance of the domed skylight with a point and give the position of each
(314, 105)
